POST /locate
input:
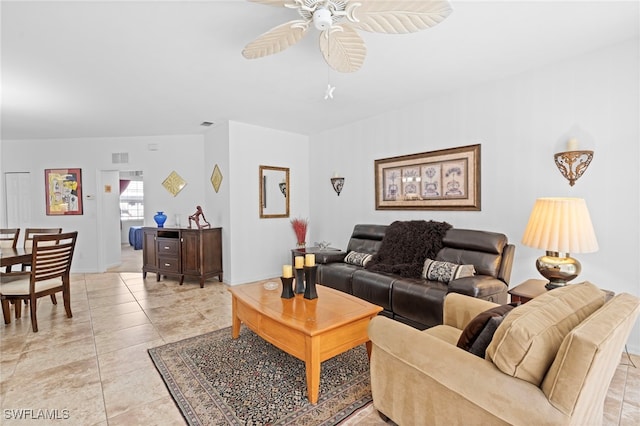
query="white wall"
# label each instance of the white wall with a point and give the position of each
(92, 155)
(520, 122)
(218, 206)
(260, 247)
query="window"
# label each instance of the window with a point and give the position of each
(132, 201)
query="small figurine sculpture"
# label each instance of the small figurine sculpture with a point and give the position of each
(196, 218)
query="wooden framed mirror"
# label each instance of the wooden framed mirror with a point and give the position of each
(274, 192)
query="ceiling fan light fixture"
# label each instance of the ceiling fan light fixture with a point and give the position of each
(341, 19)
(322, 19)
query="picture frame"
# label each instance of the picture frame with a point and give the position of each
(63, 189)
(446, 179)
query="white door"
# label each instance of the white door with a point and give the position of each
(18, 199)
(108, 220)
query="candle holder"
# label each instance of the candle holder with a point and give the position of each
(299, 287)
(287, 287)
(310, 282)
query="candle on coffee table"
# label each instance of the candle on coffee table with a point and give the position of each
(287, 271)
(310, 260)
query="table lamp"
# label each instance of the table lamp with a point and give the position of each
(560, 226)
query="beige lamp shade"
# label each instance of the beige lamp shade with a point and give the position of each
(561, 225)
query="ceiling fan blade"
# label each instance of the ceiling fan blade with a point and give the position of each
(280, 3)
(343, 48)
(276, 40)
(397, 16)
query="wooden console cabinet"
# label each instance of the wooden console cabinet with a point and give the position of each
(182, 252)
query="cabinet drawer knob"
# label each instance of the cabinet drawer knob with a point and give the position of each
(167, 248)
(167, 264)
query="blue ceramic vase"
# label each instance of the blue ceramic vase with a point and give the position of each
(160, 219)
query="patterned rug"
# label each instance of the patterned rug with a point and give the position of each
(217, 380)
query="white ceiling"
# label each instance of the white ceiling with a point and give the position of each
(125, 68)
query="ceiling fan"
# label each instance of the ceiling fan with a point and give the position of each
(337, 20)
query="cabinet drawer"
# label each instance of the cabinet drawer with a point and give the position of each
(169, 264)
(168, 247)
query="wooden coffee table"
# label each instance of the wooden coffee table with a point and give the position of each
(311, 330)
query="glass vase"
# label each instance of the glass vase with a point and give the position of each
(160, 219)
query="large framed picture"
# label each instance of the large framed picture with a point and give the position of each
(64, 191)
(447, 179)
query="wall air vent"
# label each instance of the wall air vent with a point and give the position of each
(119, 157)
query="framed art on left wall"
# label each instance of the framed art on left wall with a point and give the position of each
(63, 191)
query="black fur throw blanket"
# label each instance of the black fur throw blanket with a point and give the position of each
(406, 245)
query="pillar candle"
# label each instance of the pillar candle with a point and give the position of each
(572, 145)
(299, 262)
(310, 260)
(287, 271)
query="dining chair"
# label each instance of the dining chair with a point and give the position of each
(50, 273)
(29, 234)
(9, 239)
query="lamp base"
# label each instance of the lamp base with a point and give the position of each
(558, 268)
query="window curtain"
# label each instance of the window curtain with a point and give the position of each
(123, 185)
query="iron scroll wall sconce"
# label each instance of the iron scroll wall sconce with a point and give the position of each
(337, 183)
(573, 163)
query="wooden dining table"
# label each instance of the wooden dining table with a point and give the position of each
(10, 256)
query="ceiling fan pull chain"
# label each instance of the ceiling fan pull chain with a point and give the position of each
(328, 94)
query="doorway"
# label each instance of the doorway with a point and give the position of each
(131, 220)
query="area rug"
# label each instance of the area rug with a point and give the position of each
(217, 380)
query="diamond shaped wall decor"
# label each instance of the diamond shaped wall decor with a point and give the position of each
(216, 178)
(174, 183)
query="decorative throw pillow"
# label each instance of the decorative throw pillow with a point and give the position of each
(475, 327)
(479, 347)
(445, 271)
(357, 259)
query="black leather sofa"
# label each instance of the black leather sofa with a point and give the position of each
(416, 301)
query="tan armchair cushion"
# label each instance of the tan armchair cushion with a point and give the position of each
(526, 343)
(588, 357)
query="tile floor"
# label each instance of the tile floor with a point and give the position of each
(94, 369)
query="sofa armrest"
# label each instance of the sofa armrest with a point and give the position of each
(331, 256)
(459, 309)
(481, 286)
(417, 378)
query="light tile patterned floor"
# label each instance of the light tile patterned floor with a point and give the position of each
(94, 368)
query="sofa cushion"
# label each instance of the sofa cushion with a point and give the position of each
(526, 343)
(373, 287)
(478, 323)
(445, 271)
(357, 259)
(591, 346)
(366, 238)
(482, 249)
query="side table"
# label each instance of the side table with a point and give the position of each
(528, 290)
(301, 251)
(532, 288)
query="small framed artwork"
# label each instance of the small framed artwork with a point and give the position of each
(447, 179)
(63, 191)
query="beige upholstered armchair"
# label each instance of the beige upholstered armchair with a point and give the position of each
(549, 362)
